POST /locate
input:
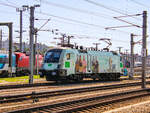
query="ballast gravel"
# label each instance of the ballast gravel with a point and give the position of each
(143, 107)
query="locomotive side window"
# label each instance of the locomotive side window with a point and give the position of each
(20, 58)
(68, 56)
(120, 58)
(3, 60)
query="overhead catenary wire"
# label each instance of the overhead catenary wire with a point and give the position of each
(10, 2)
(80, 10)
(76, 21)
(132, 24)
(139, 3)
(83, 11)
(82, 36)
(8, 12)
(106, 7)
(79, 22)
(12, 6)
(8, 5)
(109, 8)
(72, 20)
(4, 4)
(84, 23)
(77, 9)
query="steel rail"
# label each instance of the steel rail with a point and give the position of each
(50, 83)
(44, 94)
(84, 103)
(23, 85)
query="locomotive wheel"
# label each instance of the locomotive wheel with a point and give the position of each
(94, 79)
(42, 75)
(4, 74)
(78, 78)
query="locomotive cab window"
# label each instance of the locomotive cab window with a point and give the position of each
(53, 56)
(68, 56)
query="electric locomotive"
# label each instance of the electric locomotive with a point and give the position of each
(4, 65)
(20, 63)
(61, 64)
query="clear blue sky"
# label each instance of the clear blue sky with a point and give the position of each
(85, 19)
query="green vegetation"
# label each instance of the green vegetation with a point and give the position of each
(21, 79)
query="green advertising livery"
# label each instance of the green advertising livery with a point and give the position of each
(62, 64)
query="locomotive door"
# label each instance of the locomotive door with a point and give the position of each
(69, 63)
(88, 63)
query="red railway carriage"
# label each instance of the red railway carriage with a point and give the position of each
(40, 61)
(22, 62)
(21, 58)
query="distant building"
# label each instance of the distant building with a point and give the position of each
(5, 44)
(25, 46)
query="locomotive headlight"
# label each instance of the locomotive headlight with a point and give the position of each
(53, 73)
(40, 73)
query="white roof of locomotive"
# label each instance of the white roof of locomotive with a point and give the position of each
(60, 48)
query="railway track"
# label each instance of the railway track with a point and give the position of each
(24, 85)
(50, 83)
(85, 103)
(35, 95)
